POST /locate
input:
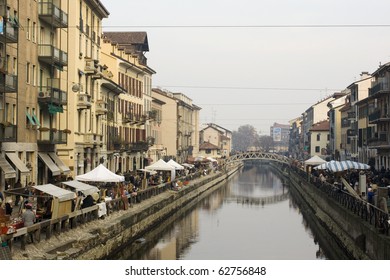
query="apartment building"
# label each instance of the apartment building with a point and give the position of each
(315, 113)
(376, 110)
(130, 137)
(180, 122)
(33, 67)
(82, 148)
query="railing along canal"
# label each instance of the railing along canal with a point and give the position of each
(368, 212)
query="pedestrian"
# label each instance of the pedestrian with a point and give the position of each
(28, 216)
(370, 196)
(29, 219)
(8, 207)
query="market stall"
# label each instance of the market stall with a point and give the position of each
(61, 202)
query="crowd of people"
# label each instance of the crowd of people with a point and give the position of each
(374, 179)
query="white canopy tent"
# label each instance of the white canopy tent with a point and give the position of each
(55, 191)
(211, 159)
(315, 160)
(162, 166)
(176, 165)
(100, 174)
(82, 187)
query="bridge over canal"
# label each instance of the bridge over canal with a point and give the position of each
(257, 155)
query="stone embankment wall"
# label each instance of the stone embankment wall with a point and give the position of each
(100, 239)
(354, 235)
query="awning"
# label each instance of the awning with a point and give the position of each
(65, 169)
(9, 172)
(55, 170)
(82, 187)
(18, 163)
(55, 191)
(55, 109)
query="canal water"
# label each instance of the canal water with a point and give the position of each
(252, 216)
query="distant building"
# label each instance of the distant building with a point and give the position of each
(295, 138)
(280, 134)
(218, 136)
(207, 149)
(319, 139)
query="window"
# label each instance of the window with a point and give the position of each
(33, 75)
(29, 118)
(15, 66)
(208, 151)
(33, 32)
(317, 149)
(319, 137)
(35, 118)
(28, 29)
(328, 137)
(28, 72)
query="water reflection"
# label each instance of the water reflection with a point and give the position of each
(252, 217)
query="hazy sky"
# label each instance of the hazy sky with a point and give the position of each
(252, 61)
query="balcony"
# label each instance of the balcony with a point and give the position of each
(91, 66)
(52, 136)
(101, 107)
(110, 116)
(352, 115)
(83, 101)
(129, 118)
(93, 139)
(51, 55)
(140, 146)
(10, 33)
(8, 83)
(379, 88)
(378, 116)
(8, 132)
(345, 122)
(53, 15)
(53, 94)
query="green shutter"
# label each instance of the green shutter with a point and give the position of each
(30, 118)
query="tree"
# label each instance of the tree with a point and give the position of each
(266, 143)
(244, 138)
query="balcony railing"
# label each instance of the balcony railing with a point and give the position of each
(83, 101)
(8, 83)
(52, 137)
(379, 88)
(53, 95)
(139, 146)
(8, 133)
(101, 107)
(10, 33)
(52, 55)
(52, 14)
(92, 138)
(378, 116)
